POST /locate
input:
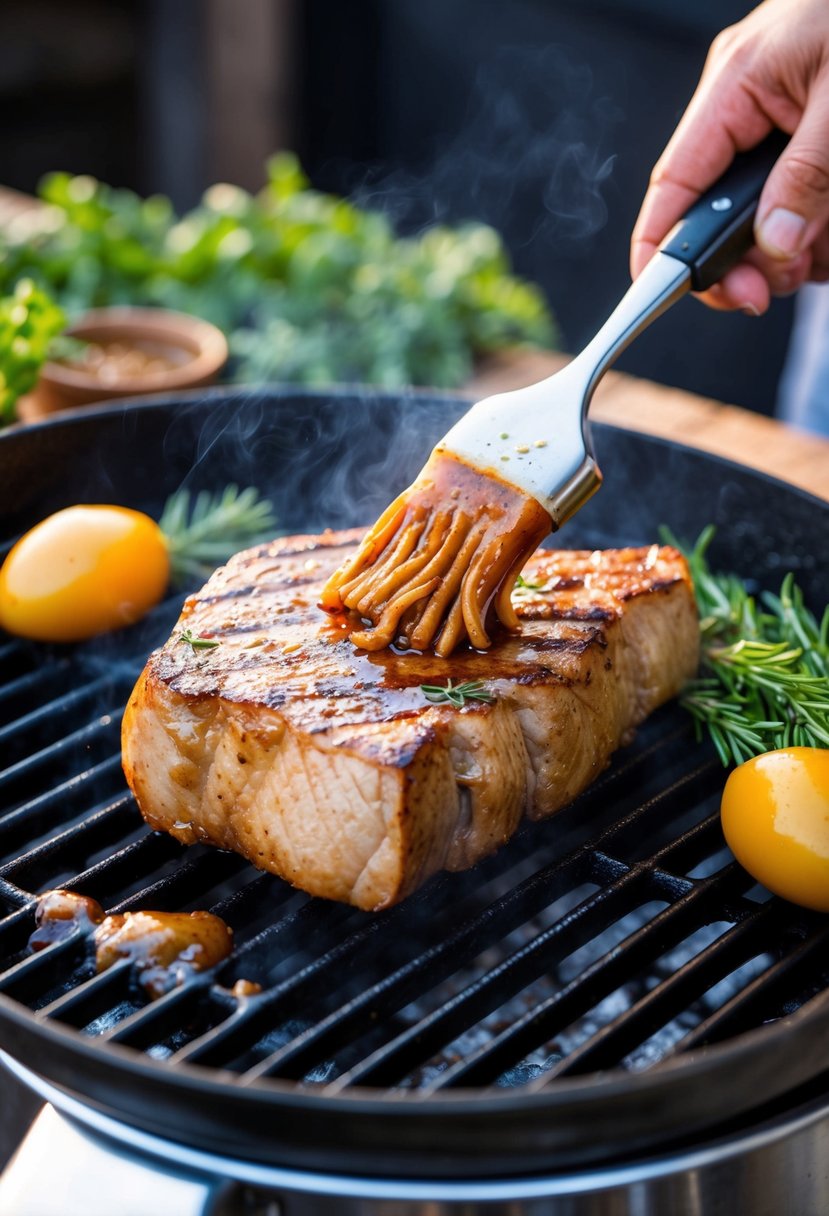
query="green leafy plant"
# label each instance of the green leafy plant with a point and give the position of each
(29, 320)
(308, 287)
(204, 531)
(764, 682)
(458, 694)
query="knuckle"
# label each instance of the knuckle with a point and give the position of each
(724, 41)
(731, 48)
(806, 174)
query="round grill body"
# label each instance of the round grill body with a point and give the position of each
(608, 986)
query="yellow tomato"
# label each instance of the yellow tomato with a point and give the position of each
(83, 571)
(775, 816)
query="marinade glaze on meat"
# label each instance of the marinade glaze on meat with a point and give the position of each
(329, 767)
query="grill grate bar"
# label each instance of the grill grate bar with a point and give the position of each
(630, 888)
(217, 1044)
(13, 895)
(513, 909)
(187, 882)
(100, 990)
(303, 917)
(57, 807)
(678, 992)
(22, 691)
(96, 995)
(71, 745)
(757, 1000)
(596, 981)
(398, 988)
(36, 973)
(39, 973)
(392, 1061)
(148, 1024)
(232, 1037)
(106, 822)
(16, 658)
(46, 720)
(117, 872)
(89, 999)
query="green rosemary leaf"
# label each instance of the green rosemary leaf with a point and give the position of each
(458, 694)
(763, 681)
(202, 533)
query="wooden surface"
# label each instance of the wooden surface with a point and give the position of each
(640, 405)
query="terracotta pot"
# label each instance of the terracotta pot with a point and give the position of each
(193, 351)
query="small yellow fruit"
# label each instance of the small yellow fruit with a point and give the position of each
(775, 816)
(83, 571)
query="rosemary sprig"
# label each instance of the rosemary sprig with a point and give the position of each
(196, 642)
(764, 682)
(458, 694)
(203, 534)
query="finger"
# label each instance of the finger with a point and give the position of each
(794, 205)
(744, 287)
(721, 120)
(783, 278)
(819, 270)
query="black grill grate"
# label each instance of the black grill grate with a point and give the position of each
(615, 937)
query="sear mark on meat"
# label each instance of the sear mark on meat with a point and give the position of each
(329, 767)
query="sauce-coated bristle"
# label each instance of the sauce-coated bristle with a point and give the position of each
(439, 565)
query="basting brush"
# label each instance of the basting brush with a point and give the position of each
(439, 566)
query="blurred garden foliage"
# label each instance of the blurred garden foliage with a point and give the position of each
(308, 287)
(29, 322)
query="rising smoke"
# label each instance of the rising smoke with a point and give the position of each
(532, 156)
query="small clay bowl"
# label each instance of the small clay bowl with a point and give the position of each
(139, 350)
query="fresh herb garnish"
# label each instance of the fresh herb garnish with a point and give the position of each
(203, 535)
(196, 641)
(764, 682)
(458, 694)
(524, 588)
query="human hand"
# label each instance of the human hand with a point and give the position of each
(770, 70)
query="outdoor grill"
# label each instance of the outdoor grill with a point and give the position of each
(607, 1016)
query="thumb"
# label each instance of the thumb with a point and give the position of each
(794, 205)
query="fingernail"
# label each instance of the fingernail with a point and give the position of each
(780, 234)
(750, 310)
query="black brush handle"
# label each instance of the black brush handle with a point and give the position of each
(719, 228)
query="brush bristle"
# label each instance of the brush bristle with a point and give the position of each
(438, 567)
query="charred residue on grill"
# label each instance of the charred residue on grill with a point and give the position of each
(165, 949)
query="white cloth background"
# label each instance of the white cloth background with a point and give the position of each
(803, 395)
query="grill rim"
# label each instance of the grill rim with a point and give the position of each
(489, 1130)
(481, 1106)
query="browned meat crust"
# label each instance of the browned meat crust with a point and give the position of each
(328, 765)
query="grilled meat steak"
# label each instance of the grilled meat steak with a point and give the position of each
(329, 767)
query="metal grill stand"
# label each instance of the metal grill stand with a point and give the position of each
(98, 1167)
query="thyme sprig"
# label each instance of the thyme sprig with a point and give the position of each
(524, 588)
(196, 642)
(764, 679)
(205, 531)
(458, 694)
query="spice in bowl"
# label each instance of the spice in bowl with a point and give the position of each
(120, 352)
